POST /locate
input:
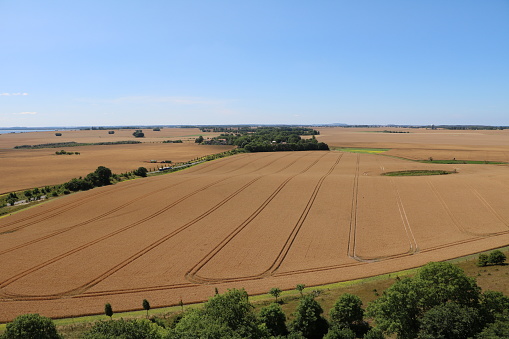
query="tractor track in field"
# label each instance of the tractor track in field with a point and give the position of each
(352, 233)
(192, 274)
(66, 229)
(64, 208)
(451, 214)
(96, 280)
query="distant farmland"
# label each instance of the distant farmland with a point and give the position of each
(252, 220)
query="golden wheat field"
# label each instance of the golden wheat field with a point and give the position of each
(29, 168)
(257, 221)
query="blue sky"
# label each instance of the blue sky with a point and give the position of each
(74, 63)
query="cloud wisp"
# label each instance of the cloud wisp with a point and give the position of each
(12, 94)
(25, 113)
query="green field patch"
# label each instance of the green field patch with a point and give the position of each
(361, 150)
(416, 173)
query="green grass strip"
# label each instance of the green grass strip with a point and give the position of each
(416, 173)
(361, 150)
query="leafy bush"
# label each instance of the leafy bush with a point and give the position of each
(124, 329)
(139, 133)
(29, 326)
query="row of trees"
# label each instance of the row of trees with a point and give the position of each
(63, 152)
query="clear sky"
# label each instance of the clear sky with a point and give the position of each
(113, 62)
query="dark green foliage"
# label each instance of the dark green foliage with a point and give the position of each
(139, 133)
(141, 171)
(146, 305)
(271, 139)
(199, 140)
(30, 326)
(347, 311)
(374, 333)
(449, 321)
(398, 309)
(402, 306)
(199, 324)
(336, 332)
(74, 144)
(497, 258)
(28, 194)
(483, 260)
(58, 134)
(123, 329)
(275, 292)
(78, 185)
(157, 129)
(308, 318)
(274, 319)
(497, 330)
(492, 305)
(233, 309)
(108, 310)
(111, 132)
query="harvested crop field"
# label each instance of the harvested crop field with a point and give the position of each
(257, 221)
(421, 144)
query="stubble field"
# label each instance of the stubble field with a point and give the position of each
(252, 220)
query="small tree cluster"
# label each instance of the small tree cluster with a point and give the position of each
(139, 133)
(494, 258)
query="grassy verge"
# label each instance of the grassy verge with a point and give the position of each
(416, 173)
(360, 150)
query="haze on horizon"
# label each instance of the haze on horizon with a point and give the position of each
(260, 62)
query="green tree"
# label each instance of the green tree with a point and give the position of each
(300, 288)
(402, 305)
(497, 330)
(347, 311)
(104, 175)
(274, 319)
(233, 309)
(275, 292)
(146, 305)
(30, 326)
(308, 318)
(449, 321)
(28, 194)
(199, 324)
(483, 260)
(336, 332)
(374, 333)
(139, 133)
(108, 310)
(497, 257)
(199, 140)
(493, 305)
(141, 171)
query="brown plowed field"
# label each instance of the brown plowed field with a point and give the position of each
(252, 220)
(420, 144)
